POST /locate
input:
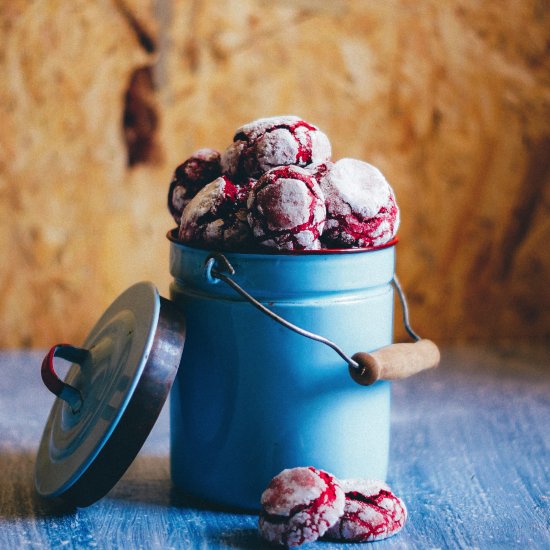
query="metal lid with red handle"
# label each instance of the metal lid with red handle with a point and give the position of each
(111, 397)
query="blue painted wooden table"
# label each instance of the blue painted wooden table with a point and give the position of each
(470, 457)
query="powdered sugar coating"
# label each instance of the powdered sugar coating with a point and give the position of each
(276, 141)
(286, 209)
(217, 216)
(230, 158)
(361, 207)
(372, 512)
(299, 505)
(202, 167)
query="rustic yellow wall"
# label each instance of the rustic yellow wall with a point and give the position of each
(100, 100)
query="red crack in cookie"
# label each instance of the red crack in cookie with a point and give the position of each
(277, 141)
(361, 207)
(216, 216)
(320, 170)
(286, 209)
(372, 512)
(202, 167)
(299, 505)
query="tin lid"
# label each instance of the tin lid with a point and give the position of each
(111, 397)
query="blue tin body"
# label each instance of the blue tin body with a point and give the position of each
(252, 397)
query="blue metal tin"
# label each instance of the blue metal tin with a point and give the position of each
(251, 397)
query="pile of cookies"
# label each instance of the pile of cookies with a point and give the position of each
(303, 504)
(276, 187)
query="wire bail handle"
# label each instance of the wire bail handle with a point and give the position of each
(388, 363)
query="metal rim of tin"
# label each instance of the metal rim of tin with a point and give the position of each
(145, 376)
(173, 237)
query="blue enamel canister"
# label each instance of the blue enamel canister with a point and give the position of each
(254, 351)
(251, 397)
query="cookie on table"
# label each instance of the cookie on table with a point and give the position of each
(371, 512)
(299, 506)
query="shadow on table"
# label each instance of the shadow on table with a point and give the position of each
(17, 493)
(148, 483)
(244, 539)
(182, 500)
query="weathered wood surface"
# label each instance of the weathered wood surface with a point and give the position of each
(99, 102)
(470, 456)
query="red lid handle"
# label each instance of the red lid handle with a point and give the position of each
(64, 391)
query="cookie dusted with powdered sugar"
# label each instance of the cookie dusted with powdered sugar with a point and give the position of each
(202, 167)
(217, 216)
(371, 512)
(276, 141)
(299, 505)
(361, 207)
(286, 209)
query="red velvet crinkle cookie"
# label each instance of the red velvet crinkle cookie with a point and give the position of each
(299, 505)
(286, 209)
(217, 216)
(276, 141)
(371, 512)
(202, 167)
(361, 207)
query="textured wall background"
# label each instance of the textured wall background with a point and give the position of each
(99, 101)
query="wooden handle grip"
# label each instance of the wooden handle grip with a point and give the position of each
(395, 361)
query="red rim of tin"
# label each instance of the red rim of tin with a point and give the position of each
(172, 237)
